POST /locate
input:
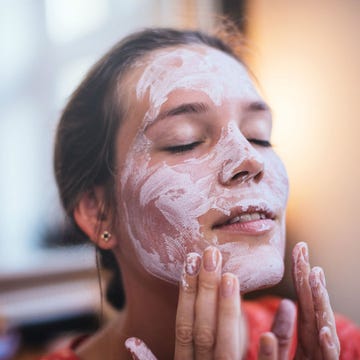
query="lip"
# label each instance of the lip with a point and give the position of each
(247, 226)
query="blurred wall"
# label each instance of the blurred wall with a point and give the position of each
(307, 56)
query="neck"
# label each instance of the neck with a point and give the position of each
(150, 312)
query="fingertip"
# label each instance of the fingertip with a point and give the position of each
(317, 276)
(267, 346)
(192, 264)
(190, 272)
(288, 304)
(298, 246)
(130, 344)
(288, 307)
(138, 349)
(317, 281)
(301, 244)
(284, 322)
(302, 251)
(212, 259)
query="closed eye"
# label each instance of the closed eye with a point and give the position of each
(182, 148)
(259, 142)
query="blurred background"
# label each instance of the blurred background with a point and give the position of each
(306, 55)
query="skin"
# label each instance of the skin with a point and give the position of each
(211, 264)
(185, 193)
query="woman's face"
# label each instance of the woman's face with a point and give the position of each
(195, 168)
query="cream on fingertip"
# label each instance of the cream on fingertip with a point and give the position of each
(138, 349)
(325, 334)
(192, 264)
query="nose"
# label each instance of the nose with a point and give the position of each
(243, 164)
(248, 170)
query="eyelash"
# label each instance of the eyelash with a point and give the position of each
(259, 142)
(182, 148)
(188, 147)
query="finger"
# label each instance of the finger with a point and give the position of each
(323, 311)
(301, 270)
(228, 338)
(268, 347)
(328, 346)
(138, 349)
(206, 303)
(185, 315)
(283, 327)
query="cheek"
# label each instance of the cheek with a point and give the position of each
(277, 183)
(161, 208)
(276, 178)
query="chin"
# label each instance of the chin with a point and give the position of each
(258, 269)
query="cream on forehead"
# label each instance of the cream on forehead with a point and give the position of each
(187, 68)
(163, 203)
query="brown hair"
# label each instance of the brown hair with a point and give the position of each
(86, 132)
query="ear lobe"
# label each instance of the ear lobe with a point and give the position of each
(88, 216)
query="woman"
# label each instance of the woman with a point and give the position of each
(163, 156)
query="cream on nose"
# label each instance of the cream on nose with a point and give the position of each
(241, 162)
(249, 169)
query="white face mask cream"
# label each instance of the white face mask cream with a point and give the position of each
(174, 204)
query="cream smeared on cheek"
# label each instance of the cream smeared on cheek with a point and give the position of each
(163, 203)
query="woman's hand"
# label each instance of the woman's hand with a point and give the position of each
(209, 322)
(276, 345)
(317, 335)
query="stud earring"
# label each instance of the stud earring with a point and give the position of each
(106, 236)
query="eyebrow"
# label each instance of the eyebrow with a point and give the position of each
(201, 108)
(186, 108)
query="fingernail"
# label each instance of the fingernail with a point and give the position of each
(304, 252)
(192, 263)
(326, 335)
(227, 285)
(211, 258)
(322, 277)
(315, 281)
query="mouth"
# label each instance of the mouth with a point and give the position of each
(252, 219)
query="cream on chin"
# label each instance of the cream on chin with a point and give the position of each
(256, 267)
(162, 204)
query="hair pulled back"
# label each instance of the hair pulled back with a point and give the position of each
(84, 146)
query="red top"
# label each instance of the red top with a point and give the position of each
(260, 315)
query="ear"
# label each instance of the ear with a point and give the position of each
(88, 215)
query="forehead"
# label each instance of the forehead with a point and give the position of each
(186, 70)
(194, 67)
(189, 66)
